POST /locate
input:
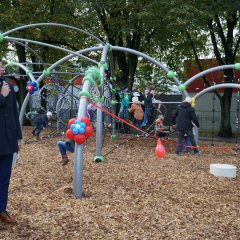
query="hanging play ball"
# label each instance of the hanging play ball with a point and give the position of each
(79, 139)
(181, 87)
(160, 149)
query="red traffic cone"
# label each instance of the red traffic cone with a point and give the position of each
(160, 149)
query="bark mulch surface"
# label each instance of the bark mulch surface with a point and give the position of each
(132, 195)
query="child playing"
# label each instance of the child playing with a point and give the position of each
(137, 111)
(69, 146)
(159, 132)
(33, 114)
(124, 103)
(40, 122)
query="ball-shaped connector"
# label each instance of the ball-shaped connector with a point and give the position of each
(85, 94)
(181, 87)
(46, 72)
(28, 71)
(170, 74)
(98, 159)
(237, 66)
(113, 102)
(113, 137)
(109, 47)
(1, 37)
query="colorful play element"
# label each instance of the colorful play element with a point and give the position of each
(181, 87)
(113, 137)
(98, 159)
(113, 102)
(223, 170)
(160, 149)
(170, 74)
(79, 130)
(237, 66)
(46, 72)
(193, 102)
(32, 86)
(1, 37)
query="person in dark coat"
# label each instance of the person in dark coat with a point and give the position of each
(183, 118)
(10, 136)
(148, 106)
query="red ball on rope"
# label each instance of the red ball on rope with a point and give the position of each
(160, 149)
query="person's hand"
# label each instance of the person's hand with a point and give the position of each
(5, 89)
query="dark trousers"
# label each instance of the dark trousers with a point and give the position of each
(38, 129)
(5, 175)
(139, 123)
(181, 138)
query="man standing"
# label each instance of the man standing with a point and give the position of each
(185, 117)
(10, 135)
(148, 105)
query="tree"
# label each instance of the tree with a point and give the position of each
(123, 26)
(207, 27)
(44, 11)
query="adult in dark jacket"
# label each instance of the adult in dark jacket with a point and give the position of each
(10, 136)
(148, 106)
(183, 118)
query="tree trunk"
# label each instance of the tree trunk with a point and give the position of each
(225, 126)
(21, 84)
(133, 60)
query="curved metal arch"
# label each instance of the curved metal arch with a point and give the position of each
(116, 48)
(30, 49)
(53, 25)
(210, 70)
(22, 112)
(222, 85)
(27, 70)
(49, 45)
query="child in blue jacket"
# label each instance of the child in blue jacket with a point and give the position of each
(40, 123)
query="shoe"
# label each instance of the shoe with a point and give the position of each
(5, 217)
(33, 133)
(38, 138)
(143, 124)
(197, 153)
(65, 161)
